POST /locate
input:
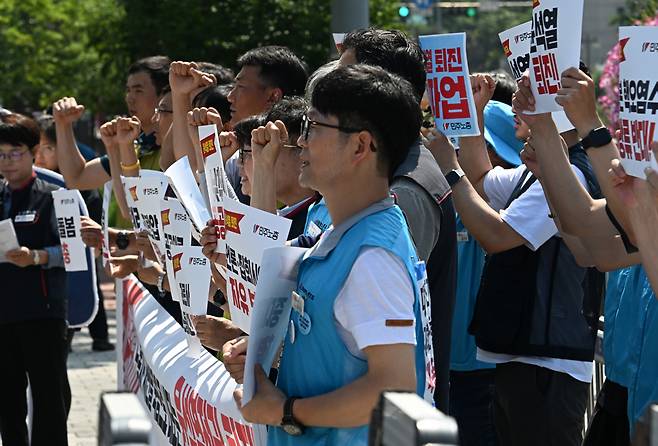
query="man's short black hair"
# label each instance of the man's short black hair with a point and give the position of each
(370, 98)
(505, 87)
(222, 74)
(19, 130)
(47, 126)
(157, 68)
(392, 50)
(279, 68)
(290, 111)
(244, 127)
(215, 96)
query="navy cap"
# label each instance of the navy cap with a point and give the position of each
(499, 132)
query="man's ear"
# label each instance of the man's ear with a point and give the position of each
(363, 149)
(275, 95)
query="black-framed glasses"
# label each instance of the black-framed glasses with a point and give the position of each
(307, 123)
(242, 152)
(14, 155)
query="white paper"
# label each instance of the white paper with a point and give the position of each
(130, 185)
(67, 211)
(8, 239)
(449, 85)
(638, 97)
(150, 191)
(338, 41)
(554, 47)
(249, 232)
(215, 179)
(182, 181)
(271, 311)
(105, 251)
(176, 227)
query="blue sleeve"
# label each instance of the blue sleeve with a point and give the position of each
(55, 258)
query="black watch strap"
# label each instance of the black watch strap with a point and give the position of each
(287, 409)
(454, 176)
(597, 138)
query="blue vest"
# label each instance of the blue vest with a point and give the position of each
(470, 258)
(317, 217)
(319, 362)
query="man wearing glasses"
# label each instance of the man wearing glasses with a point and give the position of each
(358, 283)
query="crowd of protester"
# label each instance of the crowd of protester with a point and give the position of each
(516, 228)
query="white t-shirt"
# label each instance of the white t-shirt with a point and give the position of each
(528, 216)
(378, 288)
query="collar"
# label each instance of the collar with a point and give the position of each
(292, 211)
(23, 186)
(331, 238)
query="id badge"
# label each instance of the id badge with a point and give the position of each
(26, 217)
(298, 303)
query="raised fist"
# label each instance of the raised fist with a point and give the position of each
(67, 111)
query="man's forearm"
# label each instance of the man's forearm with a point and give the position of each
(474, 158)
(263, 189)
(70, 160)
(182, 144)
(117, 185)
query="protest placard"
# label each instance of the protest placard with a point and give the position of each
(181, 179)
(176, 227)
(150, 191)
(249, 232)
(448, 84)
(67, 211)
(638, 97)
(271, 312)
(8, 239)
(338, 41)
(190, 400)
(192, 275)
(130, 185)
(215, 179)
(516, 46)
(107, 194)
(554, 47)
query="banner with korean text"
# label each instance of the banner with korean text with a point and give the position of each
(554, 47)
(189, 399)
(67, 211)
(177, 232)
(448, 84)
(638, 97)
(249, 232)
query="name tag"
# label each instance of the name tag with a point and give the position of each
(313, 230)
(298, 303)
(462, 236)
(26, 217)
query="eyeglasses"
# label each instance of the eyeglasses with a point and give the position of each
(158, 111)
(242, 154)
(14, 155)
(307, 123)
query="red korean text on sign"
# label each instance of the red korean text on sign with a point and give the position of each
(243, 297)
(546, 73)
(448, 60)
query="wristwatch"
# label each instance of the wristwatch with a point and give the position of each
(597, 138)
(289, 425)
(161, 278)
(36, 257)
(122, 240)
(454, 176)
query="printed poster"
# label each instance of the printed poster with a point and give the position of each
(107, 195)
(150, 191)
(448, 84)
(181, 179)
(67, 211)
(554, 47)
(177, 231)
(638, 97)
(249, 232)
(338, 41)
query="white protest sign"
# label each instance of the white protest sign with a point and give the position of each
(638, 97)
(8, 239)
(130, 185)
(448, 84)
(192, 274)
(190, 400)
(516, 45)
(249, 231)
(271, 312)
(105, 248)
(150, 191)
(182, 181)
(338, 41)
(67, 211)
(554, 47)
(215, 179)
(176, 228)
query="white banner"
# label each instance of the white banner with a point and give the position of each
(182, 181)
(249, 232)
(177, 230)
(67, 211)
(215, 179)
(130, 185)
(448, 84)
(554, 47)
(190, 400)
(271, 313)
(107, 195)
(638, 97)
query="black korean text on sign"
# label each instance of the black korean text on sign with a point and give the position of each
(544, 32)
(66, 227)
(638, 96)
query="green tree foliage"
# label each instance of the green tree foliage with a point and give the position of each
(636, 10)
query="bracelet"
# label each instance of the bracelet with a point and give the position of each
(161, 278)
(130, 166)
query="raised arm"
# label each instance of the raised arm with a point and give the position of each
(108, 133)
(266, 143)
(77, 172)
